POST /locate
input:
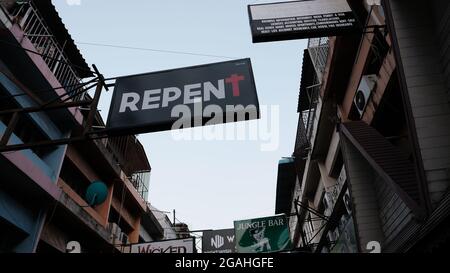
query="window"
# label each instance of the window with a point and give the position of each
(26, 129)
(73, 177)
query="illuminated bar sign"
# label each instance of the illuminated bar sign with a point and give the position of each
(182, 98)
(300, 19)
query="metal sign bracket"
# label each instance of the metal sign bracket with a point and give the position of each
(61, 102)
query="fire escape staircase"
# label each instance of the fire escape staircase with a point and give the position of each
(388, 161)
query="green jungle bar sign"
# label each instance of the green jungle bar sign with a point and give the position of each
(262, 235)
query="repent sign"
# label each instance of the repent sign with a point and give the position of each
(200, 95)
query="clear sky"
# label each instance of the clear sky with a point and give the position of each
(209, 183)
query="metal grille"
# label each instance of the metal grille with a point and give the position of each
(318, 50)
(310, 114)
(141, 182)
(119, 148)
(37, 31)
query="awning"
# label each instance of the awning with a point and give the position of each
(285, 186)
(307, 79)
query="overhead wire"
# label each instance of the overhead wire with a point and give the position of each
(88, 70)
(101, 45)
(41, 91)
(155, 50)
(46, 56)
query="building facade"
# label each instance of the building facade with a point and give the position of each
(33, 67)
(42, 189)
(372, 155)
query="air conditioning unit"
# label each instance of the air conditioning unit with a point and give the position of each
(115, 232)
(365, 88)
(348, 202)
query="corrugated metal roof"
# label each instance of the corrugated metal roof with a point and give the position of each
(62, 35)
(302, 145)
(391, 163)
(307, 79)
(439, 218)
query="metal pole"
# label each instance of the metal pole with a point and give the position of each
(10, 129)
(95, 100)
(93, 108)
(299, 223)
(46, 108)
(11, 148)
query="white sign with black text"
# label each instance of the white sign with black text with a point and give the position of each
(179, 246)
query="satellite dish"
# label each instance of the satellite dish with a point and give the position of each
(96, 193)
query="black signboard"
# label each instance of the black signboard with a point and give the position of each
(300, 19)
(219, 241)
(182, 98)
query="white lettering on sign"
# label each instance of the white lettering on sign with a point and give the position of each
(129, 100)
(170, 94)
(148, 99)
(218, 241)
(192, 93)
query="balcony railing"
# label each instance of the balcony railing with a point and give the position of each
(318, 50)
(38, 32)
(119, 147)
(140, 182)
(332, 193)
(310, 115)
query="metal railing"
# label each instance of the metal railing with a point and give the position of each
(333, 192)
(118, 147)
(310, 114)
(140, 181)
(37, 31)
(318, 51)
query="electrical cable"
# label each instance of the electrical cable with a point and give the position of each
(155, 50)
(46, 90)
(46, 56)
